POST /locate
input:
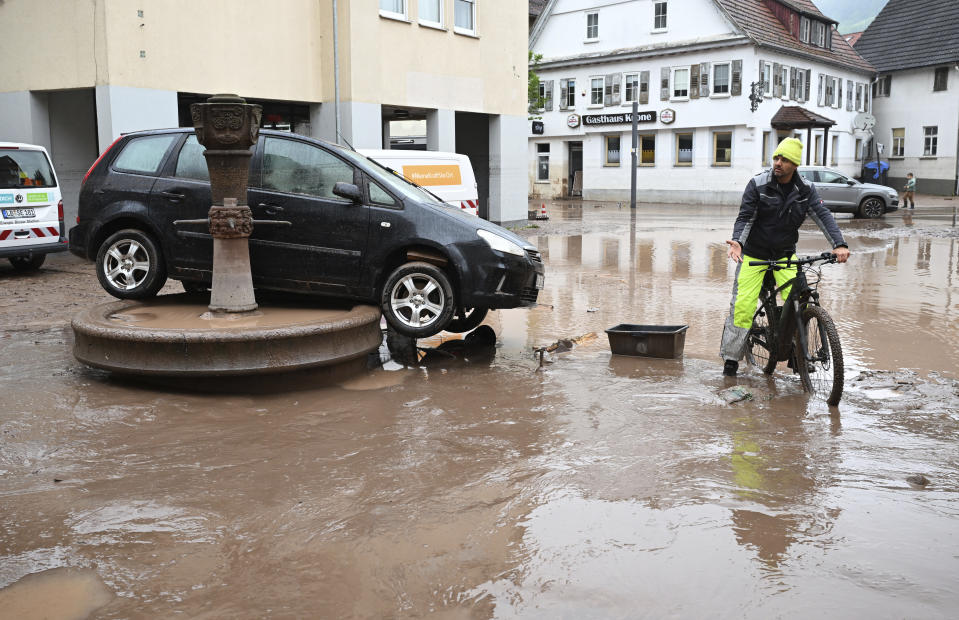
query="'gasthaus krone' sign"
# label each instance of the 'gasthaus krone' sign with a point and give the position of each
(614, 119)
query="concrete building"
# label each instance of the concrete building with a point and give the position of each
(914, 45)
(105, 67)
(690, 65)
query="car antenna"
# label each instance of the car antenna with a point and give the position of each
(347, 141)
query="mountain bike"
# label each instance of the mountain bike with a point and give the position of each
(800, 331)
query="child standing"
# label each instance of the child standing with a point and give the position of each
(910, 194)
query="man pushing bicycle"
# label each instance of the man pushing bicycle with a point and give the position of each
(774, 206)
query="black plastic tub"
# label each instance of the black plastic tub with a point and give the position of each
(666, 341)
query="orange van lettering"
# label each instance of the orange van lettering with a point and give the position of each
(433, 175)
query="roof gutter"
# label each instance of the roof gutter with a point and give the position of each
(640, 53)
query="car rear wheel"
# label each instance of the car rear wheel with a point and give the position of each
(25, 264)
(129, 266)
(467, 319)
(872, 207)
(417, 300)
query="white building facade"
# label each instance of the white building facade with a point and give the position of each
(700, 142)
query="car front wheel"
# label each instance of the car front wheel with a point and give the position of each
(417, 300)
(129, 266)
(872, 207)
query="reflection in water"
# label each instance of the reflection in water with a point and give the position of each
(644, 256)
(574, 249)
(680, 255)
(611, 253)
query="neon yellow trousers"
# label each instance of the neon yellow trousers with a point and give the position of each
(749, 281)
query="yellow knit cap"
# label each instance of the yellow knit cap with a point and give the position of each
(791, 149)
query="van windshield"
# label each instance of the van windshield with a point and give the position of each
(20, 168)
(394, 180)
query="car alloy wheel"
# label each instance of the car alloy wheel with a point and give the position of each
(129, 265)
(418, 300)
(872, 208)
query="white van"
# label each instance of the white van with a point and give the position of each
(448, 175)
(31, 207)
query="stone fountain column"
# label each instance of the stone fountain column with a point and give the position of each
(227, 127)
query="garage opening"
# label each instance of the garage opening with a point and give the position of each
(472, 140)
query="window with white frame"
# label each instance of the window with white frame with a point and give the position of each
(940, 79)
(541, 103)
(801, 84)
(647, 149)
(612, 150)
(464, 16)
(680, 83)
(542, 162)
(833, 157)
(820, 31)
(931, 141)
(684, 149)
(784, 80)
(592, 26)
(765, 148)
(722, 148)
(804, 29)
(768, 79)
(596, 87)
(882, 87)
(898, 141)
(830, 94)
(858, 97)
(659, 16)
(431, 12)
(570, 93)
(632, 88)
(817, 154)
(836, 92)
(393, 8)
(720, 78)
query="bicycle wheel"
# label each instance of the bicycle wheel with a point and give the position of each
(762, 339)
(824, 374)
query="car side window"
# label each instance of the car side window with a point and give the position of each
(190, 163)
(144, 154)
(379, 196)
(300, 168)
(832, 177)
(809, 175)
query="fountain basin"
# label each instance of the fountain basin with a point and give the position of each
(178, 336)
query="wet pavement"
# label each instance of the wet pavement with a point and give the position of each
(479, 485)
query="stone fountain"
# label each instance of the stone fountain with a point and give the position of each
(176, 336)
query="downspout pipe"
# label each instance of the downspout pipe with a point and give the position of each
(336, 73)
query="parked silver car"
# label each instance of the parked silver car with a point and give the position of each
(842, 194)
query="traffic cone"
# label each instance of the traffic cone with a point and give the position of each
(542, 213)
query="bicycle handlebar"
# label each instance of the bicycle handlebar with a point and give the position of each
(782, 263)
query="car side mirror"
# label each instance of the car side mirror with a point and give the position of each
(347, 190)
(850, 182)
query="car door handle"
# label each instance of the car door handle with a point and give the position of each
(174, 196)
(270, 209)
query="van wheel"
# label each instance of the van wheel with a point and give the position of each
(466, 319)
(129, 266)
(24, 264)
(417, 300)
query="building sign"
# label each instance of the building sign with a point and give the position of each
(615, 119)
(572, 121)
(538, 128)
(667, 116)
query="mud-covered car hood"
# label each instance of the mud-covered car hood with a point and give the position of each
(479, 223)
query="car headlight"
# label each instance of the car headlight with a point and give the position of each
(501, 244)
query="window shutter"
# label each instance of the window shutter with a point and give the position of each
(617, 88)
(822, 92)
(548, 96)
(704, 79)
(792, 83)
(777, 80)
(761, 72)
(839, 87)
(849, 91)
(664, 84)
(644, 87)
(694, 82)
(737, 86)
(806, 90)
(563, 94)
(608, 91)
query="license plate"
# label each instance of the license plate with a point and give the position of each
(15, 213)
(540, 279)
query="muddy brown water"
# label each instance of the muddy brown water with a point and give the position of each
(480, 487)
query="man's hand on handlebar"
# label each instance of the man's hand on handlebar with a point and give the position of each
(842, 254)
(735, 251)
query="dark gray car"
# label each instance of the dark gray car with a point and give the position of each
(843, 194)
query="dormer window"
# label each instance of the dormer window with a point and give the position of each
(820, 34)
(804, 29)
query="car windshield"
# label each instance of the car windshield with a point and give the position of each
(393, 179)
(21, 168)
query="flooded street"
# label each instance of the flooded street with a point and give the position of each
(597, 486)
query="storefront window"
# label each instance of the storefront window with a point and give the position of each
(612, 150)
(722, 148)
(647, 149)
(542, 162)
(684, 149)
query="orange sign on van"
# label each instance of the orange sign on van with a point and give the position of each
(433, 175)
